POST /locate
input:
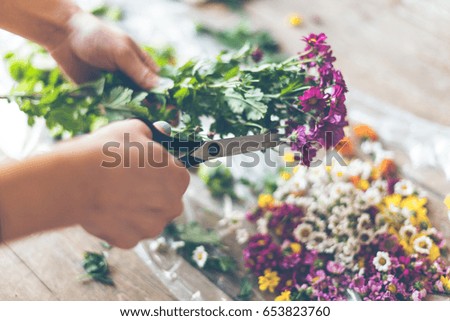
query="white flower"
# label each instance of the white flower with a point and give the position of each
(200, 256)
(381, 185)
(404, 187)
(407, 231)
(422, 245)
(365, 237)
(382, 262)
(317, 241)
(371, 148)
(302, 232)
(372, 196)
(242, 235)
(351, 247)
(364, 222)
(359, 168)
(175, 245)
(261, 225)
(406, 212)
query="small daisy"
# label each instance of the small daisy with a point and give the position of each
(242, 235)
(423, 245)
(404, 187)
(372, 196)
(365, 237)
(364, 222)
(407, 231)
(317, 241)
(200, 256)
(302, 232)
(382, 262)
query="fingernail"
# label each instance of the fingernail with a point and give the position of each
(151, 82)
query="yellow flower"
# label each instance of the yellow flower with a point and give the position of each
(285, 175)
(435, 253)
(447, 201)
(393, 200)
(445, 282)
(295, 169)
(268, 281)
(284, 296)
(363, 184)
(296, 247)
(392, 288)
(406, 246)
(413, 203)
(295, 20)
(265, 200)
(289, 158)
(420, 219)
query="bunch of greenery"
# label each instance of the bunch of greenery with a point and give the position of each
(239, 95)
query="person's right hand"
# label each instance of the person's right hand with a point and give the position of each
(70, 186)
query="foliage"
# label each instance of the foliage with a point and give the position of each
(238, 36)
(97, 268)
(303, 96)
(219, 180)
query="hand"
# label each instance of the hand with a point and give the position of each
(69, 186)
(93, 45)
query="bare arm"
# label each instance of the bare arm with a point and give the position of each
(82, 44)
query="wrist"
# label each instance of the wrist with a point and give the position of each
(35, 195)
(62, 27)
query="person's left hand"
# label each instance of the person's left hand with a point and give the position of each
(93, 45)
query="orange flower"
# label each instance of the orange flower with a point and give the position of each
(387, 168)
(354, 180)
(345, 147)
(365, 132)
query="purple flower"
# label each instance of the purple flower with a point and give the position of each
(257, 55)
(391, 181)
(312, 99)
(291, 261)
(261, 253)
(254, 215)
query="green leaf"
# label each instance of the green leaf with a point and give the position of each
(119, 97)
(96, 267)
(194, 233)
(181, 94)
(246, 289)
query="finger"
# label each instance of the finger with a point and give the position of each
(132, 65)
(146, 58)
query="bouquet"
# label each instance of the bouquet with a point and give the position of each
(302, 97)
(357, 226)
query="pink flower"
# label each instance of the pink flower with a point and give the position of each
(335, 267)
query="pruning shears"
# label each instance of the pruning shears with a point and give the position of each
(192, 153)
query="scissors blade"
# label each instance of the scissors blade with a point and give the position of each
(235, 146)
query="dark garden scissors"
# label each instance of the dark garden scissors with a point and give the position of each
(192, 153)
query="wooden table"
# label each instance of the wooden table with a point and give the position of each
(395, 50)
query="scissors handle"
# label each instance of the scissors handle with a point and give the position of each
(173, 144)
